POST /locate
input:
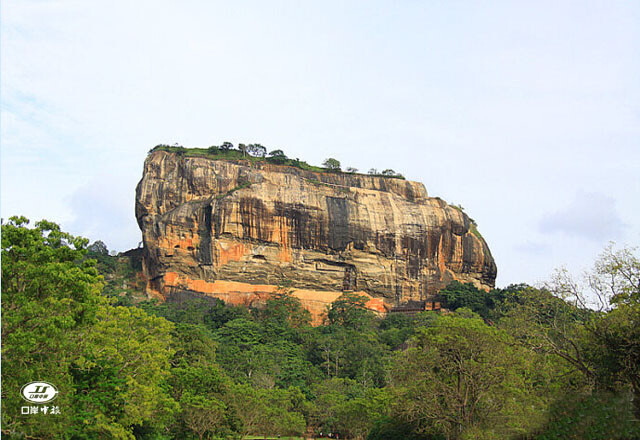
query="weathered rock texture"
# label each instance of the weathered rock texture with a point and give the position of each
(237, 230)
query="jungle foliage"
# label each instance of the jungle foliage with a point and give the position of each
(514, 363)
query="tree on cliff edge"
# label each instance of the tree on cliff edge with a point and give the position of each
(331, 164)
(257, 150)
(277, 156)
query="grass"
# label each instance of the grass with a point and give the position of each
(218, 154)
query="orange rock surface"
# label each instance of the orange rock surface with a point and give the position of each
(254, 295)
(236, 230)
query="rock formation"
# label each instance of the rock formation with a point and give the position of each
(238, 229)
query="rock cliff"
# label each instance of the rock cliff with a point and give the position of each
(237, 229)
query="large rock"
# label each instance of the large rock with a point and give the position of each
(237, 230)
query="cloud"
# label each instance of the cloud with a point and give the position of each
(591, 216)
(466, 100)
(532, 248)
(102, 213)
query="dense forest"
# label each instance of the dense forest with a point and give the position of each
(522, 362)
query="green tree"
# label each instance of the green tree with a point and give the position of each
(210, 312)
(345, 407)
(600, 415)
(465, 379)
(613, 288)
(268, 411)
(98, 247)
(284, 313)
(122, 366)
(277, 157)
(238, 342)
(107, 362)
(350, 311)
(396, 328)
(203, 415)
(202, 391)
(331, 164)
(457, 295)
(549, 325)
(257, 150)
(50, 296)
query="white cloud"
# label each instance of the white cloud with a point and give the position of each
(102, 212)
(590, 216)
(506, 109)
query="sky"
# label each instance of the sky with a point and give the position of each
(525, 113)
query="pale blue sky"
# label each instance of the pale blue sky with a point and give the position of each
(526, 113)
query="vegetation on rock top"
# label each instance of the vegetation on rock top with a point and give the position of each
(258, 153)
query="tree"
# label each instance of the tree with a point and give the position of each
(98, 247)
(243, 149)
(331, 164)
(202, 390)
(347, 346)
(350, 311)
(50, 296)
(226, 146)
(249, 408)
(457, 295)
(107, 362)
(203, 415)
(388, 172)
(547, 324)
(372, 171)
(238, 342)
(352, 170)
(119, 377)
(613, 286)
(277, 157)
(266, 351)
(589, 323)
(257, 150)
(347, 408)
(463, 377)
(284, 312)
(268, 411)
(192, 344)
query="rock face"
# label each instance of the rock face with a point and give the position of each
(237, 230)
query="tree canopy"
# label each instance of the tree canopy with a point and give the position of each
(558, 361)
(331, 164)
